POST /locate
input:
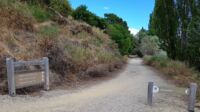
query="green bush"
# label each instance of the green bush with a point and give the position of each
(40, 14)
(158, 60)
(149, 45)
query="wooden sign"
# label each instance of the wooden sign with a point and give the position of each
(17, 80)
(29, 79)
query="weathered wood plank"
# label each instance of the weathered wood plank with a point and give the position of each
(28, 71)
(29, 79)
(29, 63)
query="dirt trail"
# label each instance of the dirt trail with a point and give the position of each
(125, 93)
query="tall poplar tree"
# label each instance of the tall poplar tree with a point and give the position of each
(194, 41)
(193, 34)
(151, 25)
(165, 24)
(185, 9)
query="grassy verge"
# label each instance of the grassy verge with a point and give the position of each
(177, 71)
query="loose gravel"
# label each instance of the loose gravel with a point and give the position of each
(125, 93)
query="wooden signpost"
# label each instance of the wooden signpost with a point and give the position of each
(21, 79)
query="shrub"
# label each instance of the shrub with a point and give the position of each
(178, 71)
(98, 41)
(62, 6)
(40, 14)
(105, 57)
(78, 54)
(49, 31)
(149, 45)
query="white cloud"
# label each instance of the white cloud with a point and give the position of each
(106, 8)
(134, 31)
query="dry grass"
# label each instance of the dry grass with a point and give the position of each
(76, 50)
(177, 71)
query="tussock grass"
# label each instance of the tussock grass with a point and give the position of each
(105, 56)
(177, 71)
(21, 8)
(49, 31)
(25, 9)
(79, 54)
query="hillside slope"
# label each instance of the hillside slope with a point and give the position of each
(75, 49)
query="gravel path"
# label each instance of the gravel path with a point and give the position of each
(125, 93)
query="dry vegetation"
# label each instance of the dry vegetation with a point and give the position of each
(179, 72)
(76, 50)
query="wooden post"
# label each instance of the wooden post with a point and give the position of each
(150, 93)
(11, 76)
(192, 97)
(46, 73)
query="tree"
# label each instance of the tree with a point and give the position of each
(149, 45)
(193, 48)
(83, 14)
(185, 10)
(165, 25)
(114, 19)
(122, 37)
(141, 34)
(151, 25)
(119, 32)
(176, 23)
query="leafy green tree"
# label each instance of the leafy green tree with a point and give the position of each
(193, 48)
(185, 10)
(83, 14)
(176, 23)
(122, 37)
(165, 25)
(114, 19)
(151, 25)
(119, 32)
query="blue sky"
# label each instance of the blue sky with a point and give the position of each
(135, 12)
